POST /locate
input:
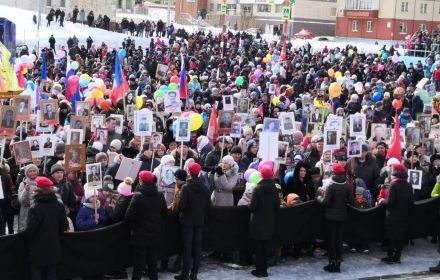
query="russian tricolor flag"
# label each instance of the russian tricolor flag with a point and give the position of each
(120, 85)
(183, 83)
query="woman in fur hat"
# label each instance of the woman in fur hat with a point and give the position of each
(25, 190)
(225, 180)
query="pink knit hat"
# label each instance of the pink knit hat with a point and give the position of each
(124, 188)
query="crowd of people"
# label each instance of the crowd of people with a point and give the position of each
(356, 164)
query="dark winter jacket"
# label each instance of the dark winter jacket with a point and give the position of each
(337, 195)
(205, 152)
(67, 193)
(399, 202)
(46, 221)
(85, 220)
(118, 213)
(367, 171)
(264, 205)
(194, 203)
(245, 161)
(145, 214)
(212, 160)
(312, 157)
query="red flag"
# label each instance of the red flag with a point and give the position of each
(119, 91)
(261, 110)
(212, 132)
(395, 149)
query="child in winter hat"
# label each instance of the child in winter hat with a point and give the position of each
(125, 188)
(87, 219)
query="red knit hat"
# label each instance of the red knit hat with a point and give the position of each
(194, 168)
(266, 172)
(338, 169)
(146, 176)
(399, 171)
(43, 182)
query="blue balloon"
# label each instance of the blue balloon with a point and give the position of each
(288, 176)
(30, 85)
(377, 96)
(83, 83)
(384, 55)
(74, 65)
(122, 53)
(164, 88)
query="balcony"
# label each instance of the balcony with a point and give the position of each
(361, 9)
(362, 5)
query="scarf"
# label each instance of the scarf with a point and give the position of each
(92, 205)
(203, 142)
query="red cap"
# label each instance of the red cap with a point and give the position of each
(338, 169)
(399, 167)
(146, 176)
(43, 182)
(266, 172)
(194, 168)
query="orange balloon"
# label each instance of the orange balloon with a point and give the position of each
(174, 79)
(91, 101)
(97, 93)
(335, 90)
(105, 104)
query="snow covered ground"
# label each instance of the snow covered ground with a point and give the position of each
(27, 32)
(415, 259)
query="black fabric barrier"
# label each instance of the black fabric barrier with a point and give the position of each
(226, 229)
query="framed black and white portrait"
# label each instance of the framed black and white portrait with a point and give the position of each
(415, 178)
(331, 138)
(82, 108)
(288, 126)
(379, 132)
(358, 125)
(183, 133)
(49, 111)
(75, 136)
(317, 115)
(225, 119)
(22, 151)
(354, 148)
(272, 89)
(228, 104)
(47, 144)
(23, 105)
(35, 146)
(97, 121)
(93, 174)
(236, 130)
(156, 141)
(271, 125)
(119, 123)
(413, 135)
(243, 105)
(143, 122)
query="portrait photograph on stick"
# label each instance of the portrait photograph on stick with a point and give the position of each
(97, 121)
(379, 132)
(101, 135)
(357, 125)
(331, 139)
(22, 151)
(49, 111)
(225, 122)
(82, 108)
(75, 157)
(79, 122)
(228, 105)
(288, 126)
(119, 123)
(93, 174)
(35, 146)
(271, 125)
(354, 148)
(317, 115)
(183, 130)
(47, 144)
(143, 121)
(75, 136)
(243, 106)
(23, 105)
(172, 101)
(8, 120)
(413, 136)
(415, 178)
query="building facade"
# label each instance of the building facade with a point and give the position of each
(386, 19)
(318, 16)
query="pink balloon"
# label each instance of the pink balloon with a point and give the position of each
(17, 67)
(381, 67)
(258, 74)
(265, 163)
(29, 65)
(248, 174)
(73, 80)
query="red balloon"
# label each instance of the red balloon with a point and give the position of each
(174, 79)
(397, 104)
(73, 80)
(105, 104)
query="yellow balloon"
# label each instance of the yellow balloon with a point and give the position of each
(196, 121)
(86, 76)
(335, 90)
(275, 100)
(139, 102)
(331, 72)
(338, 74)
(97, 93)
(350, 52)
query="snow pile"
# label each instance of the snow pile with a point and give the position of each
(27, 33)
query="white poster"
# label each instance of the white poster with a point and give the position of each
(331, 138)
(143, 122)
(128, 168)
(183, 130)
(172, 101)
(35, 146)
(47, 144)
(268, 149)
(358, 125)
(287, 123)
(119, 123)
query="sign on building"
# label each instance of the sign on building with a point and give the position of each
(286, 13)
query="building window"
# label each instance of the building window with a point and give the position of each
(263, 8)
(219, 7)
(423, 8)
(403, 28)
(404, 7)
(354, 26)
(232, 9)
(247, 10)
(211, 7)
(422, 27)
(278, 9)
(361, 4)
(63, 3)
(369, 26)
(49, 3)
(333, 12)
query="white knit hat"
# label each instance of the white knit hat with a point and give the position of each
(229, 160)
(98, 145)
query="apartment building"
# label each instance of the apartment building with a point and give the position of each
(386, 19)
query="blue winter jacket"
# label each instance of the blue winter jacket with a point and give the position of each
(85, 220)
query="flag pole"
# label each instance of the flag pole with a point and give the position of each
(181, 154)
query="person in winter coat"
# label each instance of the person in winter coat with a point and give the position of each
(249, 156)
(25, 191)
(90, 18)
(122, 202)
(82, 16)
(225, 180)
(52, 42)
(335, 200)
(247, 195)
(167, 190)
(264, 205)
(405, 118)
(87, 219)
(399, 202)
(300, 183)
(213, 158)
(46, 222)
(65, 190)
(203, 148)
(145, 214)
(60, 149)
(193, 206)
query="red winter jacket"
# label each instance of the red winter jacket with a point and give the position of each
(436, 75)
